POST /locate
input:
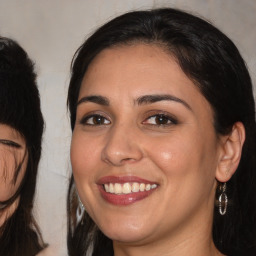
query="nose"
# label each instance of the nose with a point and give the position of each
(122, 146)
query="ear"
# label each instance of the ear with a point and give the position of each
(230, 153)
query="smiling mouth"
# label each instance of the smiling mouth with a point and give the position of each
(124, 194)
(127, 188)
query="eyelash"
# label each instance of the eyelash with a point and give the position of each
(93, 117)
(10, 143)
(99, 120)
(166, 118)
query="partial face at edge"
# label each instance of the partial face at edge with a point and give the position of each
(12, 153)
(145, 134)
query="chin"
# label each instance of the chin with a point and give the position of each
(125, 237)
(126, 233)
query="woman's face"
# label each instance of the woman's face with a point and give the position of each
(144, 150)
(12, 153)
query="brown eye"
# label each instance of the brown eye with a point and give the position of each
(95, 120)
(98, 120)
(160, 120)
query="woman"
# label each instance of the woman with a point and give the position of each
(21, 128)
(163, 146)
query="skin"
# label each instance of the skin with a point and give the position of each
(12, 152)
(182, 154)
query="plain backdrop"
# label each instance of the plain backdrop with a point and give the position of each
(51, 31)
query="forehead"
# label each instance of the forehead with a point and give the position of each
(134, 66)
(135, 70)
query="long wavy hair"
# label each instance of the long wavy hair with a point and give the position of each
(20, 109)
(212, 61)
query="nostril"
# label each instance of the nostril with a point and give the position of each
(129, 160)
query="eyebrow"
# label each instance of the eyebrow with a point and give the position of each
(95, 99)
(145, 99)
(148, 99)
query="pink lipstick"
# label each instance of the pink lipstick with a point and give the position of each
(125, 190)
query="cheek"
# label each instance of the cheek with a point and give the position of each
(166, 156)
(85, 159)
(188, 172)
(84, 155)
(171, 152)
(184, 155)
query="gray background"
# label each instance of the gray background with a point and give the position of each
(51, 31)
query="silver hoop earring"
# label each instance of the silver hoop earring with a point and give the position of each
(223, 199)
(79, 211)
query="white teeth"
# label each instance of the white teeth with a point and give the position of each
(106, 186)
(142, 187)
(127, 188)
(117, 188)
(135, 187)
(153, 186)
(111, 188)
(148, 187)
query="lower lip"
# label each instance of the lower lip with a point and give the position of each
(124, 199)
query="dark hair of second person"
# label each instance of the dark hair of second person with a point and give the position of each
(22, 118)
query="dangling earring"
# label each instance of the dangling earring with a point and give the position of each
(223, 199)
(79, 211)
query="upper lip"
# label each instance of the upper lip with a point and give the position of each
(123, 179)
